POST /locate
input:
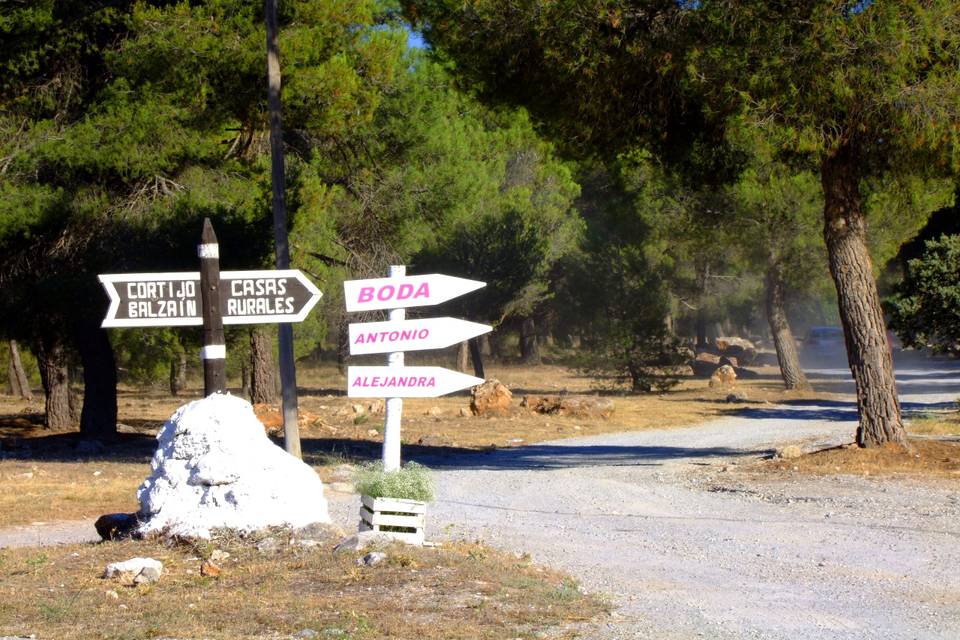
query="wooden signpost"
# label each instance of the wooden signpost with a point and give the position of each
(396, 381)
(210, 298)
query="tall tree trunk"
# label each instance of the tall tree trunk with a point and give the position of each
(868, 353)
(245, 378)
(703, 275)
(19, 384)
(178, 373)
(52, 361)
(98, 419)
(484, 343)
(529, 347)
(477, 357)
(793, 376)
(343, 347)
(463, 357)
(262, 384)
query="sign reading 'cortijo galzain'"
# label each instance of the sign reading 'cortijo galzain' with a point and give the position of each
(396, 381)
(173, 299)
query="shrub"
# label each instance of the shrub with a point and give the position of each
(411, 482)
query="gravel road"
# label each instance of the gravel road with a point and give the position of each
(665, 525)
(686, 546)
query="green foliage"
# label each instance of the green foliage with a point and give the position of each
(143, 355)
(925, 309)
(411, 482)
(614, 291)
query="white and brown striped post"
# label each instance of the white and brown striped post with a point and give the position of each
(214, 351)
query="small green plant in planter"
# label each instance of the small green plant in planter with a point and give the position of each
(394, 502)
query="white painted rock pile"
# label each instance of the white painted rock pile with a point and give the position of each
(215, 468)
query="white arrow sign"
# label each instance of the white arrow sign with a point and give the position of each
(173, 299)
(405, 382)
(406, 291)
(411, 335)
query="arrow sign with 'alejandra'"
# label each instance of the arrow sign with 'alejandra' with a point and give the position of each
(173, 299)
(411, 335)
(405, 382)
(405, 291)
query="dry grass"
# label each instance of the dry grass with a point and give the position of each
(923, 458)
(947, 424)
(44, 491)
(461, 591)
(59, 482)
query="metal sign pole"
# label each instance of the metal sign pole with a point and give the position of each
(214, 351)
(391, 423)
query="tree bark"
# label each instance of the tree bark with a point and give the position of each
(477, 357)
(262, 384)
(178, 374)
(52, 361)
(484, 342)
(343, 347)
(19, 384)
(868, 352)
(529, 346)
(463, 357)
(245, 379)
(793, 376)
(98, 419)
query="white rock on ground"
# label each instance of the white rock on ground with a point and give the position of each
(133, 568)
(215, 468)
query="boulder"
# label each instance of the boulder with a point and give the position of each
(724, 376)
(116, 526)
(134, 570)
(215, 468)
(706, 356)
(704, 364)
(272, 418)
(744, 355)
(725, 342)
(790, 452)
(492, 398)
(730, 360)
(577, 406)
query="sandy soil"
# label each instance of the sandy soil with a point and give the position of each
(688, 543)
(688, 546)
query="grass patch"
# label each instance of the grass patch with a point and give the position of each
(411, 482)
(944, 424)
(462, 591)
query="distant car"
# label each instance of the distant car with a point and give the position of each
(824, 337)
(824, 344)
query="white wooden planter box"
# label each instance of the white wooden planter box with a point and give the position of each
(403, 519)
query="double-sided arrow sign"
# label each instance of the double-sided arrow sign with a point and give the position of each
(405, 382)
(405, 291)
(173, 299)
(411, 335)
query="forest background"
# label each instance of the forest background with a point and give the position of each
(623, 206)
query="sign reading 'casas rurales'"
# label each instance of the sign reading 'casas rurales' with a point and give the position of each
(173, 299)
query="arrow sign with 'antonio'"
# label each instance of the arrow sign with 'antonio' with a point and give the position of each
(405, 382)
(173, 299)
(411, 335)
(405, 291)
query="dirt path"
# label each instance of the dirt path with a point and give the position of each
(662, 522)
